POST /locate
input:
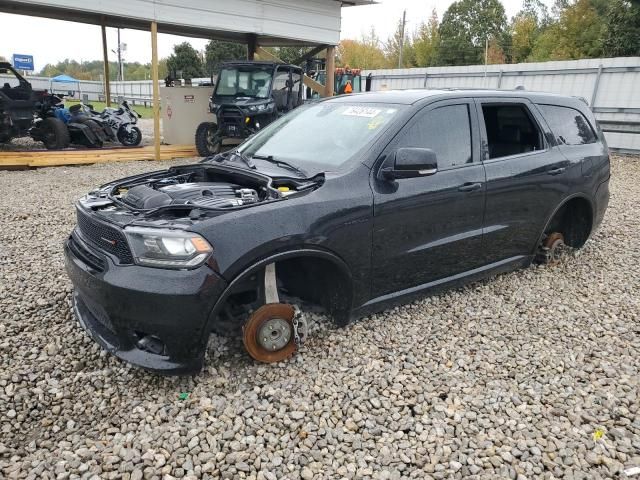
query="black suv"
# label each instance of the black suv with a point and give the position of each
(354, 203)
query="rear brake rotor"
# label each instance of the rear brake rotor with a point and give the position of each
(268, 335)
(554, 246)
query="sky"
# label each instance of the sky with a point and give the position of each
(84, 42)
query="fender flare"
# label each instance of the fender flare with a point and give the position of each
(275, 257)
(566, 200)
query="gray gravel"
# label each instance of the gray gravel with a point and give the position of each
(507, 378)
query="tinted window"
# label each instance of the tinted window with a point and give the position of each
(510, 130)
(568, 125)
(446, 131)
(243, 81)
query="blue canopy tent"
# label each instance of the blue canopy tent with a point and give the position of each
(61, 80)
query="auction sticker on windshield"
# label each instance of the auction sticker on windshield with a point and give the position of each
(367, 112)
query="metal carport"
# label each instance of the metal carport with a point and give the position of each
(254, 22)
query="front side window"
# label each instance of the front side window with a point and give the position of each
(568, 125)
(510, 130)
(445, 130)
(244, 82)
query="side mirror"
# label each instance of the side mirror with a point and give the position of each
(412, 162)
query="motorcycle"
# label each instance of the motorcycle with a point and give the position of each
(84, 128)
(122, 121)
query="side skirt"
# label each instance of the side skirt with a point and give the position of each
(407, 295)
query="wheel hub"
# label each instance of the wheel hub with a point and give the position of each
(274, 334)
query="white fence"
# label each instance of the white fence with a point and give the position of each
(611, 86)
(131, 90)
(139, 92)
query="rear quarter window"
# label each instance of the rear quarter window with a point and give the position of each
(569, 126)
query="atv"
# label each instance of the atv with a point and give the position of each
(248, 96)
(25, 112)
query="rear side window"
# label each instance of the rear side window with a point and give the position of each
(445, 130)
(510, 130)
(568, 125)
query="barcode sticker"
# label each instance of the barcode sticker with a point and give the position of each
(366, 112)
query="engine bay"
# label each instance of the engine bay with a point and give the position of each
(210, 187)
(204, 194)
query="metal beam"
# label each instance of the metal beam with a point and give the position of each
(105, 59)
(505, 73)
(156, 89)
(616, 126)
(594, 95)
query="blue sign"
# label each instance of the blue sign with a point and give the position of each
(23, 62)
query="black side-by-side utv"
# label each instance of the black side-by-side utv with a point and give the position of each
(247, 97)
(24, 112)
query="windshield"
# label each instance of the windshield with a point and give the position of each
(247, 81)
(321, 136)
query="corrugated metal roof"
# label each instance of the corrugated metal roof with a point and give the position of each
(273, 22)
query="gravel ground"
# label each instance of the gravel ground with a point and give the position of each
(533, 374)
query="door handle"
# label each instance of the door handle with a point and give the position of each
(470, 187)
(556, 171)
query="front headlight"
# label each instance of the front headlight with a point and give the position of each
(261, 108)
(155, 247)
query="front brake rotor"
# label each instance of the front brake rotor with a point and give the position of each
(268, 335)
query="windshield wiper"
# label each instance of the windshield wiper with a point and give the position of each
(280, 163)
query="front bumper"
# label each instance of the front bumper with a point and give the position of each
(118, 305)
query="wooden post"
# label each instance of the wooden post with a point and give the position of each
(156, 89)
(331, 72)
(105, 59)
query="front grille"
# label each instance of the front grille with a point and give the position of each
(232, 122)
(232, 115)
(107, 238)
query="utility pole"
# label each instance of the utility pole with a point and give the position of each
(404, 22)
(486, 59)
(119, 53)
(119, 58)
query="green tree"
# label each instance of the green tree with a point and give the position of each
(426, 42)
(466, 26)
(364, 53)
(621, 32)
(217, 52)
(524, 33)
(289, 54)
(185, 59)
(537, 10)
(576, 34)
